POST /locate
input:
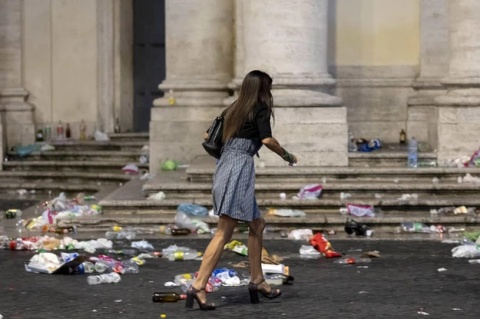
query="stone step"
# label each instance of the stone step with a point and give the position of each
(114, 206)
(81, 155)
(11, 186)
(105, 166)
(388, 159)
(335, 188)
(387, 222)
(130, 137)
(64, 177)
(316, 174)
(96, 145)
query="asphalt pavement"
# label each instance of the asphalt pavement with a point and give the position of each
(405, 282)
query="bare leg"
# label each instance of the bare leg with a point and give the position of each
(255, 245)
(226, 226)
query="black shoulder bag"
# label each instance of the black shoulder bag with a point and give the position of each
(214, 144)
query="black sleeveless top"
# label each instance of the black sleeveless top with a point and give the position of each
(259, 127)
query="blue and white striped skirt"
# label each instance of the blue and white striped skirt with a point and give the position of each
(234, 180)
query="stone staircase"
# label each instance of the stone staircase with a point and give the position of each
(74, 166)
(379, 179)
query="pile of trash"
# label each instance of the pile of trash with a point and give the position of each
(61, 208)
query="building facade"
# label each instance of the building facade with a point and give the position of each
(374, 67)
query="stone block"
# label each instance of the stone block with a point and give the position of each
(447, 115)
(420, 113)
(375, 104)
(305, 158)
(326, 137)
(457, 140)
(185, 113)
(310, 115)
(182, 152)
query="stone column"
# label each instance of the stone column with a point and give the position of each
(459, 110)
(199, 67)
(106, 62)
(434, 59)
(17, 113)
(288, 40)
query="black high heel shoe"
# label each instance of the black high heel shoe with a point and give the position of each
(253, 290)
(192, 294)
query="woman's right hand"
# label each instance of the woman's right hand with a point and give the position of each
(288, 157)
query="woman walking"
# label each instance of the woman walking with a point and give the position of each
(246, 129)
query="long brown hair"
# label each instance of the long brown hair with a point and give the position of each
(255, 89)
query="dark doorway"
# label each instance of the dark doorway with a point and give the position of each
(148, 58)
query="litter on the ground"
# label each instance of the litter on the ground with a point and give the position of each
(361, 210)
(311, 191)
(284, 212)
(157, 196)
(299, 234)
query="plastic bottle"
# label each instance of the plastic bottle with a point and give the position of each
(474, 261)
(167, 297)
(183, 255)
(101, 267)
(89, 267)
(116, 128)
(129, 267)
(68, 132)
(171, 98)
(352, 146)
(60, 131)
(47, 133)
(104, 279)
(412, 153)
(83, 131)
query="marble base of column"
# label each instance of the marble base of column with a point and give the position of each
(309, 90)
(3, 138)
(193, 93)
(176, 131)
(309, 122)
(422, 112)
(19, 126)
(458, 118)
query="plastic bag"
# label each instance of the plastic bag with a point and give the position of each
(192, 210)
(466, 251)
(100, 136)
(361, 210)
(312, 191)
(298, 234)
(131, 169)
(183, 221)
